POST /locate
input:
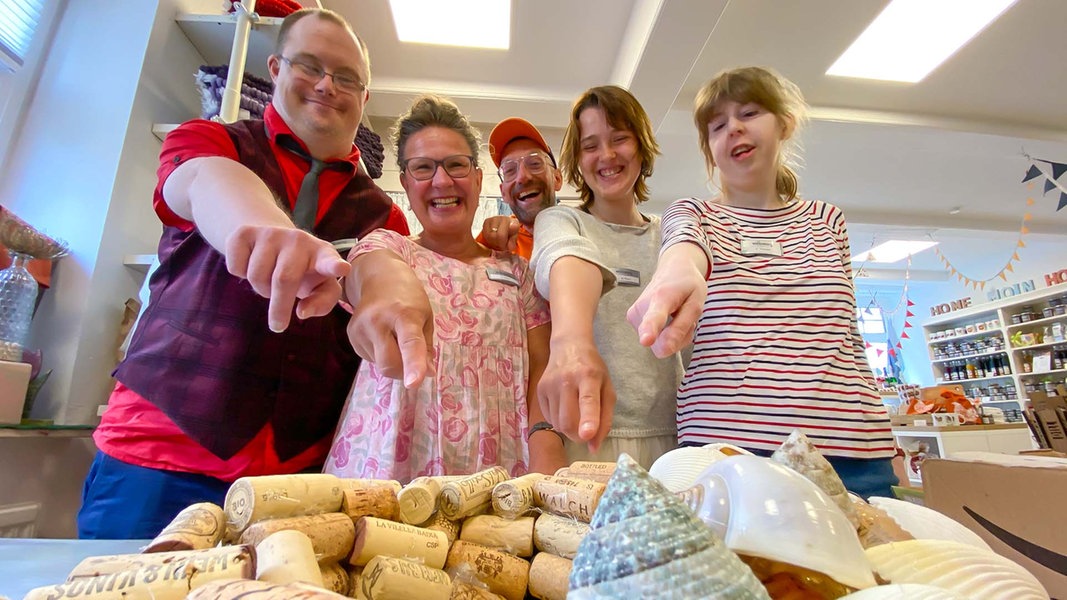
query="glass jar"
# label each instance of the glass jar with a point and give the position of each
(18, 294)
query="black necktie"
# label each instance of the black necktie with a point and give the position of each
(307, 200)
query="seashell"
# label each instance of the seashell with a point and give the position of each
(645, 543)
(876, 527)
(928, 524)
(798, 453)
(968, 571)
(678, 469)
(904, 591)
(766, 510)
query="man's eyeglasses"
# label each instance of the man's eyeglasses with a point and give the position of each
(456, 166)
(535, 164)
(314, 74)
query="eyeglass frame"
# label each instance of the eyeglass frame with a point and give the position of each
(318, 73)
(522, 160)
(438, 164)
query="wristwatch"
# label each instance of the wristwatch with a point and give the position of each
(545, 426)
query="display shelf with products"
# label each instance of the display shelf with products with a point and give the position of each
(989, 349)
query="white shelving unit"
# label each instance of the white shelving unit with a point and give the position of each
(993, 321)
(920, 443)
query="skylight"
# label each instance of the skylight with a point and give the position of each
(468, 23)
(892, 251)
(911, 38)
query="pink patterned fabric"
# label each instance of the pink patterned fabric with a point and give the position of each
(472, 414)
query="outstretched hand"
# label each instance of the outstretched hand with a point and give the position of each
(666, 313)
(576, 394)
(290, 267)
(501, 233)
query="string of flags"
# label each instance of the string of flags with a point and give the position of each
(1051, 179)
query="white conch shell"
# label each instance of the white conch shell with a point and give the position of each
(970, 572)
(798, 453)
(904, 591)
(926, 523)
(875, 526)
(767, 510)
(678, 469)
(645, 543)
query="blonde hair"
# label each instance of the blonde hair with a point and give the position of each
(778, 95)
(622, 111)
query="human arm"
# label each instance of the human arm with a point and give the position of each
(666, 312)
(235, 212)
(547, 453)
(392, 321)
(500, 233)
(859, 347)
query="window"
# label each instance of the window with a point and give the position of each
(878, 356)
(18, 22)
(870, 320)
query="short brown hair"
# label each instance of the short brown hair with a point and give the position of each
(433, 111)
(326, 15)
(622, 111)
(777, 94)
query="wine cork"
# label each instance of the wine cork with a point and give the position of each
(334, 577)
(418, 499)
(515, 497)
(514, 536)
(196, 527)
(351, 483)
(505, 574)
(568, 497)
(439, 523)
(389, 578)
(591, 470)
(467, 591)
(471, 495)
(549, 576)
(332, 534)
(354, 573)
(559, 535)
(380, 537)
(378, 501)
(252, 499)
(244, 589)
(287, 557)
(224, 557)
(162, 580)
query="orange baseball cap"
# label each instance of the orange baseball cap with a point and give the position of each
(511, 129)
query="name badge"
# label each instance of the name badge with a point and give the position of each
(627, 277)
(766, 247)
(501, 276)
(344, 245)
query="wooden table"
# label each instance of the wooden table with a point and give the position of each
(31, 563)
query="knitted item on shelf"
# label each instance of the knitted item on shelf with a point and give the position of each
(371, 150)
(271, 8)
(211, 81)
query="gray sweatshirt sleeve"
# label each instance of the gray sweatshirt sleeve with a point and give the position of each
(564, 231)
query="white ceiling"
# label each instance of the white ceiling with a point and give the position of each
(896, 157)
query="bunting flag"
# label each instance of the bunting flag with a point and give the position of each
(1051, 180)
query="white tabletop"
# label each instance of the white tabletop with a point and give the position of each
(27, 564)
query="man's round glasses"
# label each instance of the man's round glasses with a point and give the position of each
(456, 166)
(535, 164)
(314, 73)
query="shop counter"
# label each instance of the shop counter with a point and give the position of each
(920, 442)
(31, 563)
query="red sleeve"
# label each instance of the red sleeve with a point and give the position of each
(192, 139)
(397, 221)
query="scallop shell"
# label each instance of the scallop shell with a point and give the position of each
(904, 591)
(678, 469)
(876, 527)
(801, 455)
(968, 571)
(928, 524)
(645, 543)
(767, 510)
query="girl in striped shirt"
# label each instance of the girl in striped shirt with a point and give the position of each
(761, 281)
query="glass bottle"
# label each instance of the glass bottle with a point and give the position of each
(18, 294)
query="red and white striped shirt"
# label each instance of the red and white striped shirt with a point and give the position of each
(777, 347)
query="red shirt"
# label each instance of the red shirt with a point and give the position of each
(133, 429)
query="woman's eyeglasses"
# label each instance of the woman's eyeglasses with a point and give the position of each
(456, 166)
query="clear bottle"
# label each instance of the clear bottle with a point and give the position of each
(1028, 361)
(18, 294)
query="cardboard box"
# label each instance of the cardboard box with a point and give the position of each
(1013, 502)
(1050, 414)
(14, 380)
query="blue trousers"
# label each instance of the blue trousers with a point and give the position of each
(123, 501)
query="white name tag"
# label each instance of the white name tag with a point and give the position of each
(766, 247)
(627, 277)
(501, 276)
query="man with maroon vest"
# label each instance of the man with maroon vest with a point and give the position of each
(220, 381)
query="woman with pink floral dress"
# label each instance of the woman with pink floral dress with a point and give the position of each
(490, 339)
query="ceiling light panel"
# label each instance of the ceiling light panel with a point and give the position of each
(892, 251)
(466, 23)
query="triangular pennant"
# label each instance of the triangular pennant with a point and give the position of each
(1032, 173)
(880, 352)
(908, 312)
(898, 345)
(1008, 267)
(906, 324)
(904, 335)
(981, 284)
(1015, 256)
(1022, 244)
(959, 277)
(1024, 230)
(892, 352)
(1002, 276)
(1063, 201)
(867, 344)
(1029, 201)
(1049, 185)
(910, 303)
(1058, 169)
(1027, 217)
